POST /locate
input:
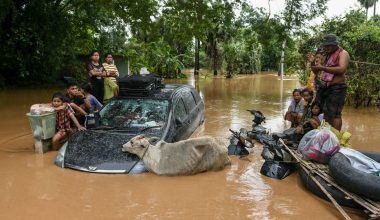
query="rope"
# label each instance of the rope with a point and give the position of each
(368, 63)
(139, 160)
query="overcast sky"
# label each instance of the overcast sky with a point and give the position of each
(335, 7)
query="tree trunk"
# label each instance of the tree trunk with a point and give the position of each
(287, 28)
(215, 58)
(282, 58)
(366, 13)
(212, 51)
(215, 65)
(374, 8)
(180, 50)
(196, 61)
(369, 101)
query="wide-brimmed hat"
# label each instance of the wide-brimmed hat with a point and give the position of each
(329, 39)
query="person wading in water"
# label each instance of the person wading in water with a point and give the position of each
(333, 76)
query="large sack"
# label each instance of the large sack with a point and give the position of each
(185, 157)
(319, 145)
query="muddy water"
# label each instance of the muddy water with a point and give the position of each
(31, 187)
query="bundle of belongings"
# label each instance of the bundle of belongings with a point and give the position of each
(357, 171)
(41, 109)
(321, 144)
(361, 162)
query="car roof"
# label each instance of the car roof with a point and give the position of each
(162, 93)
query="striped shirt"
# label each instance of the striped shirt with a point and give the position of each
(111, 68)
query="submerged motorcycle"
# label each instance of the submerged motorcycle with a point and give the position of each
(240, 142)
(278, 162)
(259, 132)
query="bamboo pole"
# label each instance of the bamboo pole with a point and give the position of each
(337, 206)
(368, 204)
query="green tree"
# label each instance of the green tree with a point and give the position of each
(269, 32)
(360, 38)
(41, 39)
(295, 16)
(182, 21)
(221, 16)
(366, 4)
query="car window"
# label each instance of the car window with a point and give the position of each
(179, 110)
(135, 113)
(189, 100)
(195, 96)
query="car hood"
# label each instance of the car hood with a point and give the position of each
(98, 151)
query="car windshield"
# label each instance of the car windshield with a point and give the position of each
(135, 113)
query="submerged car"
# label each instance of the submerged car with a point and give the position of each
(170, 112)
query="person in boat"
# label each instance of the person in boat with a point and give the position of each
(96, 73)
(296, 109)
(111, 88)
(308, 97)
(333, 95)
(64, 114)
(312, 122)
(319, 59)
(75, 98)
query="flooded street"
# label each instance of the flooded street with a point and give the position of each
(32, 187)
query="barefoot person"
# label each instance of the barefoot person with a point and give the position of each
(334, 78)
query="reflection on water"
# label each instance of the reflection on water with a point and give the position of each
(32, 187)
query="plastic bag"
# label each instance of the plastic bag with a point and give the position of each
(343, 136)
(319, 145)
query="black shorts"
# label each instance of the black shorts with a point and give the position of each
(332, 100)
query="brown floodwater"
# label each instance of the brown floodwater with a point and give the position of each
(32, 187)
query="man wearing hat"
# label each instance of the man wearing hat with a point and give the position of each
(333, 75)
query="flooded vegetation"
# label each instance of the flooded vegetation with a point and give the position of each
(32, 186)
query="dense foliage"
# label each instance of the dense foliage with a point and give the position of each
(361, 39)
(43, 40)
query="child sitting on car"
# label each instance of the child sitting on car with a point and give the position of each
(64, 114)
